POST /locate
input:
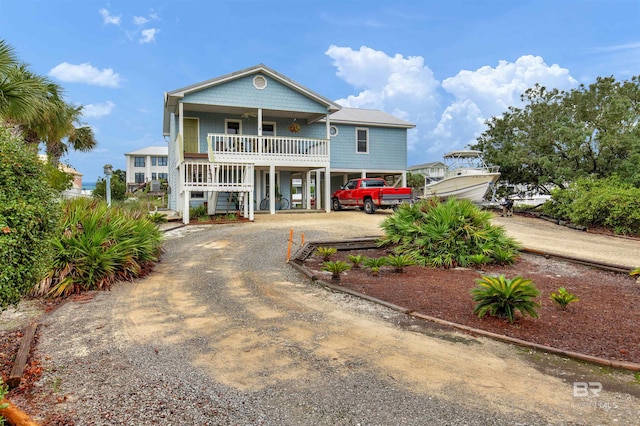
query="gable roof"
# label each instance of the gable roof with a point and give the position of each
(150, 150)
(172, 98)
(368, 117)
(427, 165)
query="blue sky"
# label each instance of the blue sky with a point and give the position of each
(446, 66)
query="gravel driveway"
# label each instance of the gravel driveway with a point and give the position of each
(225, 332)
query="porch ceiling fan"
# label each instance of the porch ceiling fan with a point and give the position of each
(249, 114)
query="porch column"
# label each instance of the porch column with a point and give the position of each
(248, 204)
(327, 189)
(258, 188)
(185, 209)
(272, 189)
(318, 190)
(307, 190)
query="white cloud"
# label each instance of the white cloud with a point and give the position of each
(495, 89)
(403, 86)
(407, 88)
(148, 35)
(140, 20)
(85, 73)
(488, 92)
(98, 110)
(108, 18)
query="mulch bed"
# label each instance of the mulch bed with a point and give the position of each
(603, 323)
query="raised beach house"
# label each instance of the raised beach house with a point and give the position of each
(257, 140)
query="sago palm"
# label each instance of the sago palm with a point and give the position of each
(502, 297)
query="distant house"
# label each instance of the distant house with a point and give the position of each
(256, 138)
(145, 165)
(433, 171)
(76, 184)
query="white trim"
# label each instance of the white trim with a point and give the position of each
(333, 128)
(366, 129)
(232, 120)
(275, 127)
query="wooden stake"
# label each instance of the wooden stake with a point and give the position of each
(22, 356)
(290, 242)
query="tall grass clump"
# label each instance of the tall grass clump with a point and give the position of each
(447, 234)
(97, 246)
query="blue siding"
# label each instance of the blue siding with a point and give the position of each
(242, 93)
(387, 149)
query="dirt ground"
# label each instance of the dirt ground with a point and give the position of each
(255, 326)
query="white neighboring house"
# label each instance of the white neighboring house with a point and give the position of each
(145, 165)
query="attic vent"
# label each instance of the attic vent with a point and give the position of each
(259, 82)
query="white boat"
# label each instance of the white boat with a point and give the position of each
(467, 177)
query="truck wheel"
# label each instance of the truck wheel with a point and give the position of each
(335, 204)
(369, 207)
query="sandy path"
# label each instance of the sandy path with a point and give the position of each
(252, 326)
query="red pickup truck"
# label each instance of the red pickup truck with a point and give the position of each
(369, 194)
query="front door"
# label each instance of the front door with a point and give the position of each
(191, 135)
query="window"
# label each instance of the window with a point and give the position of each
(268, 129)
(333, 131)
(138, 161)
(233, 127)
(139, 177)
(197, 195)
(162, 161)
(154, 176)
(163, 176)
(259, 82)
(362, 141)
(153, 161)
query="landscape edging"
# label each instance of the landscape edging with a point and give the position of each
(631, 366)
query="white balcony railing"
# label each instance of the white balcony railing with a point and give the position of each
(223, 147)
(201, 175)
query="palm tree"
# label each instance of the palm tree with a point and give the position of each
(23, 95)
(33, 106)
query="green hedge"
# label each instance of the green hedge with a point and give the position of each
(29, 213)
(607, 203)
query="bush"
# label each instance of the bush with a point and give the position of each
(326, 252)
(449, 234)
(375, 263)
(563, 298)
(199, 212)
(608, 203)
(502, 297)
(118, 187)
(29, 213)
(97, 246)
(336, 268)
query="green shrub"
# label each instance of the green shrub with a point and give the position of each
(375, 263)
(336, 268)
(29, 213)
(326, 252)
(356, 259)
(502, 297)
(608, 203)
(563, 298)
(400, 261)
(199, 212)
(97, 246)
(449, 234)
(156, 217)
